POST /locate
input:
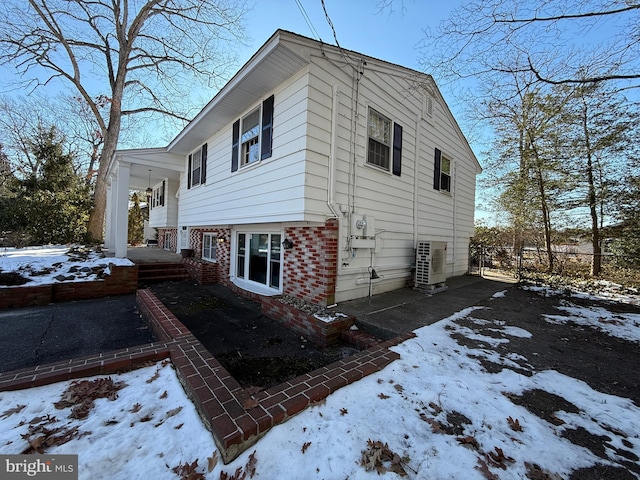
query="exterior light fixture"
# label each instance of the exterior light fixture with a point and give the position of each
(149, 190)
(287, 244)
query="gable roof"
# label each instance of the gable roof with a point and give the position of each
(271, 65)
(279, 58)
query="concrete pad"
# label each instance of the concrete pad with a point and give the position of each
(393, 313)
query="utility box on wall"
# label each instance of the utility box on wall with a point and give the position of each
(363, 231)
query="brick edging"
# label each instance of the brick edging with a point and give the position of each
(239, 417)
(97, 364)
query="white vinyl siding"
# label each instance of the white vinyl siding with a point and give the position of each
(271, 190)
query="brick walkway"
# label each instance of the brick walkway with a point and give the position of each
(236, 417)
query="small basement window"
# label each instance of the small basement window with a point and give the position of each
(209, 243)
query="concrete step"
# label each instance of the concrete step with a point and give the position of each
(161, 272)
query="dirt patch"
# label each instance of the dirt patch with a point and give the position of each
(11, 279)
(606, 363)
(544, 404)
(256, 350)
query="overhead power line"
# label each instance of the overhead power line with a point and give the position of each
(314, 32)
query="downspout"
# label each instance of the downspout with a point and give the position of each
(331, 190)
(455, 216)
(416, 172)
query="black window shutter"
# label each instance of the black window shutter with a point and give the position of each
(234, 146)
(203, 165)
(162, 193)
(189, 173)
(436, 169)
(397, 149)
(267, 128)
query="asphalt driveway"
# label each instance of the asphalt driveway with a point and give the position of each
(33, 336)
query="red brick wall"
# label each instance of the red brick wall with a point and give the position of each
(204, 271)
(321, 333)
(173, 241)
(311, 266)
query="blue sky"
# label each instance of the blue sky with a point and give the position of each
(360, 25)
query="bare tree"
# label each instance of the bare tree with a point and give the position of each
(560, 39)
(137, 56)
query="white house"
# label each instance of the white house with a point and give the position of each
(311, 167)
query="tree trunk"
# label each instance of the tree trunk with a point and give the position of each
(596, 261)
(95, 227)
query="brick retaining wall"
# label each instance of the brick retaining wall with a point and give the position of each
(122, 280)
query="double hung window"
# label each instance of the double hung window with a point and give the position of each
(197, 168)
(209, 243)
(384, 143)
(441, 172)
(252, 136)
(250, 139)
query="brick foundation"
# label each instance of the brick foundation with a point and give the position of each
(311, 266)
(205, 271)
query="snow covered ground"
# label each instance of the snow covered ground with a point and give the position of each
(434, 414)
(42, 264)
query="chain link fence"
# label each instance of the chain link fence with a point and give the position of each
(517, 262)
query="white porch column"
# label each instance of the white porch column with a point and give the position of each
(120, 220)
(108, 241)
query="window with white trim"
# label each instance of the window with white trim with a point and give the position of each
(384, 147)
(379, 132)
(209, 244)
(157, 197)
(252, 136)
(197, 167)
(259, 258)
(441, 172)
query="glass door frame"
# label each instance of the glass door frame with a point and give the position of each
(242, 278)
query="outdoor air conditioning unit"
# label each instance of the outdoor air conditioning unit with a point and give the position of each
(431, 263)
